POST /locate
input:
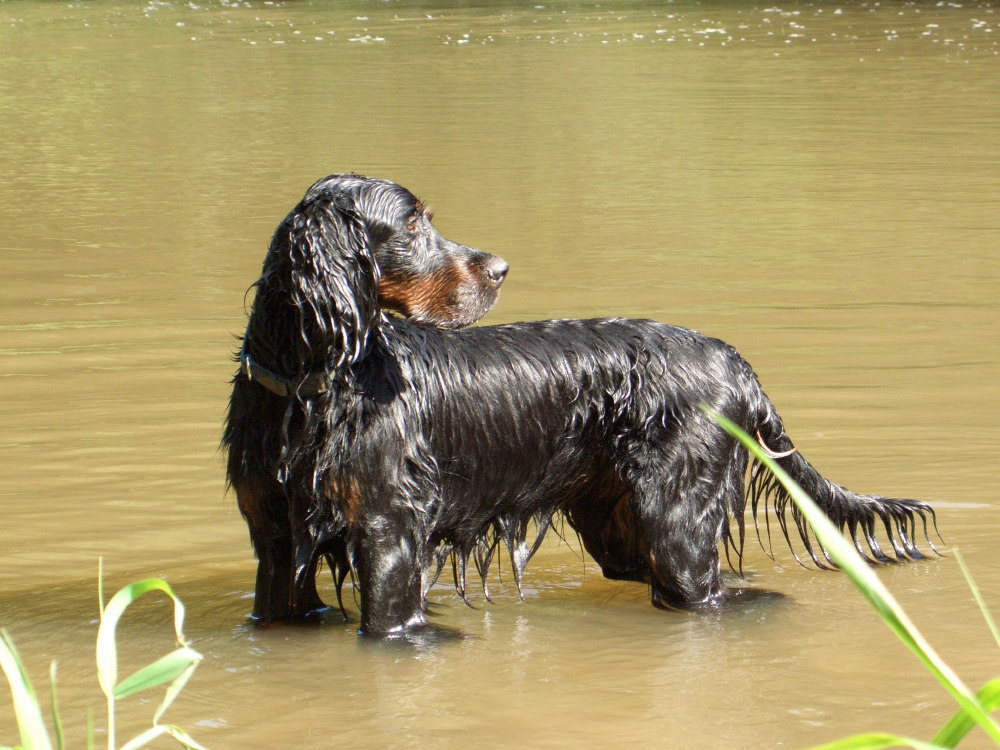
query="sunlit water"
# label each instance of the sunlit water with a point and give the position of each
(817, 184)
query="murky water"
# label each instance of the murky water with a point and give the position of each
(818, 185)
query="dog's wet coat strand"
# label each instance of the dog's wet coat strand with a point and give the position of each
(428, 442)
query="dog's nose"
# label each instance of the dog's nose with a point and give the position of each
(496, 270)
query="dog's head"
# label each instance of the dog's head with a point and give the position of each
(420, 274)
(354, 246)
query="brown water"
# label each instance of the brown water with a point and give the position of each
(818, 185)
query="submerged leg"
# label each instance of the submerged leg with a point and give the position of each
(390, 577)
(285, 587)
(682, 510)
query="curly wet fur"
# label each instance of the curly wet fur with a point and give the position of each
(430, 443)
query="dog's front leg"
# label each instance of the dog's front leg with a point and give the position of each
(286, 548)
(389, 572)
(264, 506)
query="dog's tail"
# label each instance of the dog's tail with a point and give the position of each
(856, 514)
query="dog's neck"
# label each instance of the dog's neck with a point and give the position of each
(318, 368)
(313, 384)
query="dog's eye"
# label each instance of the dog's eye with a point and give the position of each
(420, 219)
(415, 221)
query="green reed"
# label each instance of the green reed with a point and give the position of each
(973, 709)
(173, 670)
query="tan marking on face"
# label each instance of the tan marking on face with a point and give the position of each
(429, 296)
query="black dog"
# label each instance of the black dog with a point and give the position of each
(385, 444)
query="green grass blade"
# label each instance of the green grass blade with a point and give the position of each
(184, 738)
(34, 735)
(56, 719)
(978, 597)
(961, 723)
(158, 731)
(161, 671)
(869, 585)
(175, 688)
(145, 738)
(877, 741)
(100, 585)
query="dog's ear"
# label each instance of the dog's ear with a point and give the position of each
(333, 277)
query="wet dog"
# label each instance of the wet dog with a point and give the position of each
(388, 444)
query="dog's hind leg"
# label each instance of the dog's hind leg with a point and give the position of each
(680, 502)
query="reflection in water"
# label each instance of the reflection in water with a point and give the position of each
(817, 185)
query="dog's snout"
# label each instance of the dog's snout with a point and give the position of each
(496, 270)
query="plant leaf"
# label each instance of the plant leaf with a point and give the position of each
(34, 735)
(159, 730)
(978, 597)
(877, 741)
(141, 740)
(161, 671)
(107, 656)
(184, 738)
(961, 723)
(174, 690)
(56, 719)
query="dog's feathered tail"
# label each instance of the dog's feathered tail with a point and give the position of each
(856, 514)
